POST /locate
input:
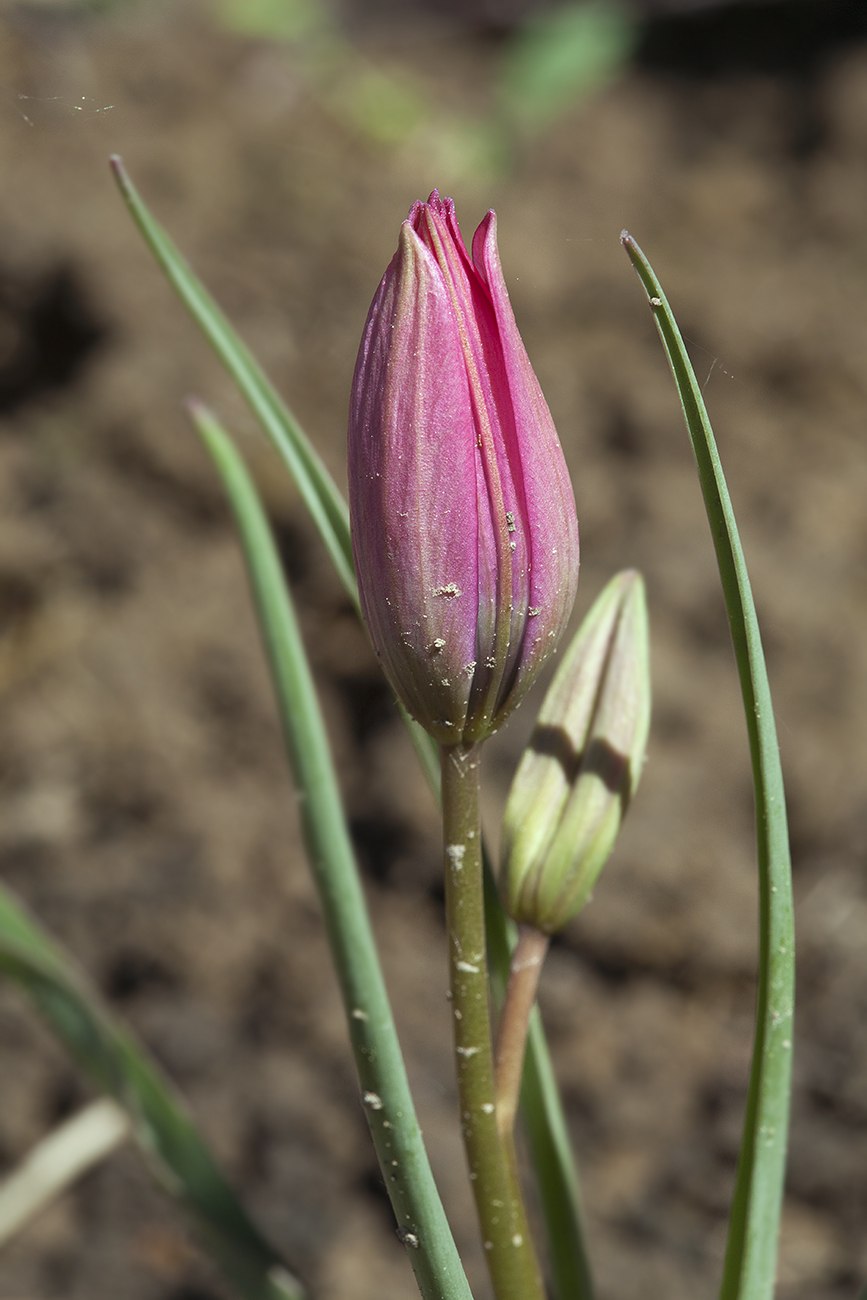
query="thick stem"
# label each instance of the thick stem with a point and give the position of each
(524, 972)
(508, 1245)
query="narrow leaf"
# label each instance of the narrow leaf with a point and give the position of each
(118, 1066)
(318, 490)
(62, 1156)
(557, 1178)
(388, 1103)
(751, 1254)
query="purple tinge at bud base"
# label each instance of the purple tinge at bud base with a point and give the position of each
(463, 517)
(582, 764)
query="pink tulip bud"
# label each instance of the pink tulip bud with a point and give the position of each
(463, 517)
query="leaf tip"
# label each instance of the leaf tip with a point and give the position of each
(120, 174)
(199, 413)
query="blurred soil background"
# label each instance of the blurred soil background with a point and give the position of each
(145, 811)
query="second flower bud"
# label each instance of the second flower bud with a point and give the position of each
(582, 764)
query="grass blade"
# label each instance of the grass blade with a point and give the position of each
(388, 1102)
(751, 1254)
(318, 490)
(116, 1065)
(62, 1156)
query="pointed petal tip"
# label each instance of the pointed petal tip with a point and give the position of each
(442, 206)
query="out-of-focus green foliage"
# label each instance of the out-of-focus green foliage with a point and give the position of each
(385, 106)
(288, 20)
(551, 63)
(560, 58)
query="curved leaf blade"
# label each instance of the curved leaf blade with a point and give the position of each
(58, 1160)
(318, 490)
(389, 1107)
(751, 1254)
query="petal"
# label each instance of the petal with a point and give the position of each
(539, 468)
(413, 492)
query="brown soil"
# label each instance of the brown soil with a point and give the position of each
(145, 810)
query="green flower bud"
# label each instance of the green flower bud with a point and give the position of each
(582, 764)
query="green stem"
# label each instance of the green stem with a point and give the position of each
(508, 1245)
(544, 1123)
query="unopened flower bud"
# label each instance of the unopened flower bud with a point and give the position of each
(582, 764)
(463, 519)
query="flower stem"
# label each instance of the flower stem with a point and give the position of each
(508, 1245)
(524, 972)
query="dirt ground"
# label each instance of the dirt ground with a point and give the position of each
(145, 810)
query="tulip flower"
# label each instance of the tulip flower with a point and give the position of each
(463, 517)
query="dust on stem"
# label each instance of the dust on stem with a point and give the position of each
(509, 1248)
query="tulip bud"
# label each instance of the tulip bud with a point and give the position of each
(582, 764)
(463, 518)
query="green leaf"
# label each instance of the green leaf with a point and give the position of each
(751, 1254)
(385, 1090)
(318, 490)
(559, 1192)
(118, 1066)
